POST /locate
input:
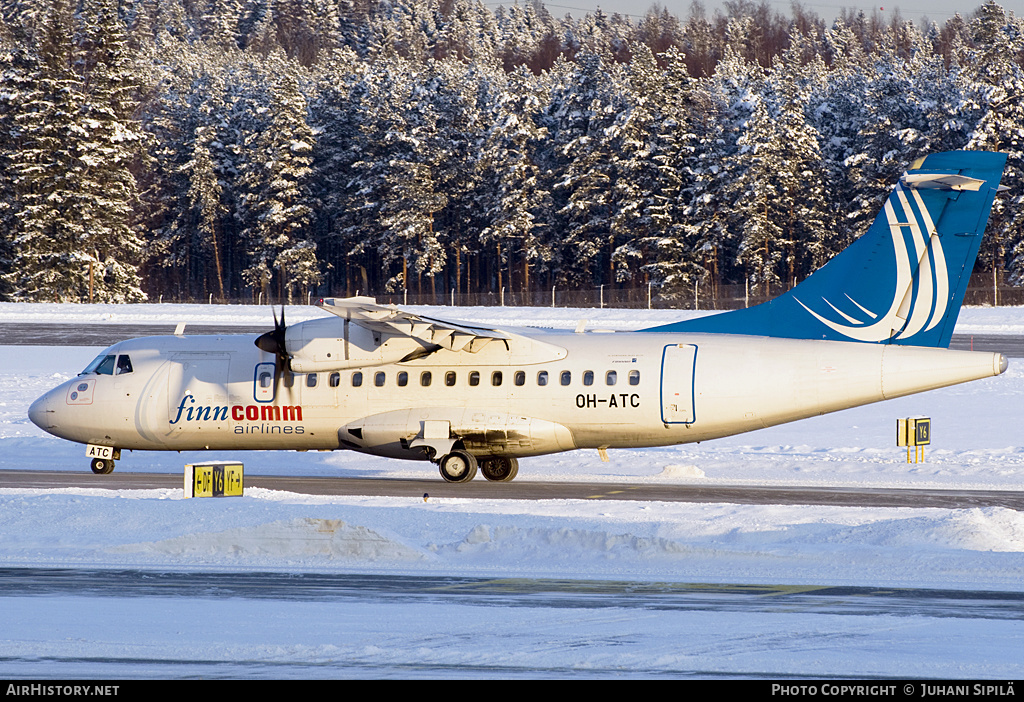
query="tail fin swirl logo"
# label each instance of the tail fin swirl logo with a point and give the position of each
(914, 308)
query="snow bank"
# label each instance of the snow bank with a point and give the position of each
(272, 530)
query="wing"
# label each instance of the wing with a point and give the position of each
(390, 320)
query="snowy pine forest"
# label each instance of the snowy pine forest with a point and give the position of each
(275, 149)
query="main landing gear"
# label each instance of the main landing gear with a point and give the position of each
(461, 466)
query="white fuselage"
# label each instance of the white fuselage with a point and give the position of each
(566, 391)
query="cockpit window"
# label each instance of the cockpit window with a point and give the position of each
(124, 364)
(101, 365)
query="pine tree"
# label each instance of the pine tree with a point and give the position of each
(335, 116)
(279, 207)
(76, 191)
(583, 110)
(753, 192)
(110, 145)
(996, 68)
(14, 76)
(653, 142)
(48, 263)
(712, 224)
(516, 211)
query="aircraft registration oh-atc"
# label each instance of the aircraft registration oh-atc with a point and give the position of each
(872, 324)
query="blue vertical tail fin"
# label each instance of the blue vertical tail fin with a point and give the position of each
(904, 280)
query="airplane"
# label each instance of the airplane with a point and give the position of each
(873, 323)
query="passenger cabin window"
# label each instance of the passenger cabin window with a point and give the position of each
(425, 379)
(403, 379)
(266, 379)
(588, 377)
(496, 378)
(334, 380)
(611, 377)
(520, 378)
(449, 379)
(288, 378)
(542, 378)
(474, 378)
(378, 379)
(357, 379)
(124, 365)
(634, 377)
(565, 378)
(311, 380)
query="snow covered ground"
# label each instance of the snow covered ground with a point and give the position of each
(977, 443)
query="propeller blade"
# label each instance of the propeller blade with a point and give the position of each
(274, 341)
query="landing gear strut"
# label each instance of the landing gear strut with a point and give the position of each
(102, 466)
(458, 467)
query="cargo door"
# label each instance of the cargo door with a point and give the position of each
(197, 393)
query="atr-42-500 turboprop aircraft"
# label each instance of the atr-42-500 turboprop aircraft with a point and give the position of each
(872, 324)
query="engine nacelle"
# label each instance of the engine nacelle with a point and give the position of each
(331, 344)
(408, 433)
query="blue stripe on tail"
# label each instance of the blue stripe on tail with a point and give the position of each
(904, 280)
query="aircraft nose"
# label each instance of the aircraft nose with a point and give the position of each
(43, 411)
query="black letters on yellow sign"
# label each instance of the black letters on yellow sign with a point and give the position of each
(622, 399)
(213, 479)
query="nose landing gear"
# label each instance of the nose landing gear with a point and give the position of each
(102, 466)
(103, 458)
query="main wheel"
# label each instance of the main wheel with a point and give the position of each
(499, 468)
(458, 467)
(102, 466)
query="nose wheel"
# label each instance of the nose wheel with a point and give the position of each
(102, 466)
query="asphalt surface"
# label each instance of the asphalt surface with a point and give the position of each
(539, 628)
(526, 490)
(518, 592)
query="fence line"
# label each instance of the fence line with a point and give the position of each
(723, 297)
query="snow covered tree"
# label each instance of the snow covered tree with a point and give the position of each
(73, 177)
(279, 209)
(653, 141)
(110, 145)
(778, 193)
(335, 116)
(516, 211)
(725, 103)
(996, 67)
(51, 262)
(417, 143)
(583, 109)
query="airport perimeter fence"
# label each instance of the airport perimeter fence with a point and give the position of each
(721, 297)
